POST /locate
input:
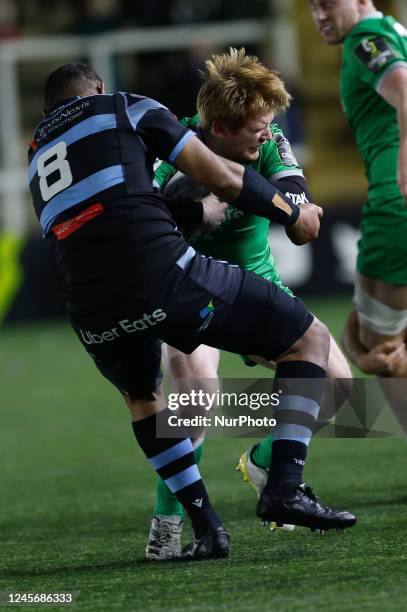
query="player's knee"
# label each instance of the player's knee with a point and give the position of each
(143, 403)
(314, 345)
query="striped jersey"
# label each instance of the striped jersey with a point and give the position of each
(91, 179)
(99, 147)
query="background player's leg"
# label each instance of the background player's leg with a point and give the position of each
(383, 319)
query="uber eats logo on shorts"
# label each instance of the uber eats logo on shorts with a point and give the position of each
(124, 326)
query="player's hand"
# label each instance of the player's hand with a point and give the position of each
(306, 228)
(213, 213)
(386, 359)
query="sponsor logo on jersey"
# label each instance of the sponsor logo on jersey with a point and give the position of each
(374, 53)
(62, 118)
(125, 326)
(207, 310)
(66, 228)
(297, 198)
(284, 150)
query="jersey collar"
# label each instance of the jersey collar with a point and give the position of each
(372, 15)
(62, 104)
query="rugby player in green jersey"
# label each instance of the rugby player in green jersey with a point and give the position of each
(225, 126)
(373, 90)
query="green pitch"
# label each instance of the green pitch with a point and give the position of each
(76, 500)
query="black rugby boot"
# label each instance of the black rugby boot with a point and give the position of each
(214, 544)
(301, 507)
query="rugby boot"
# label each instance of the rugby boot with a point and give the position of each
(214, 544)
(301, 507)
(164, 540)
(256, 476)
(253, 474)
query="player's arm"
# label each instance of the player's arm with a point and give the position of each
(295, 187)
(280, 166)
(185, 211)
(244, 188)
(393, 88)
(195, 216)
(192, 208)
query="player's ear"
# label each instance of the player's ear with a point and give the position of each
(101, 88)
(218, 129)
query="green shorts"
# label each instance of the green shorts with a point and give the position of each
(382, 249)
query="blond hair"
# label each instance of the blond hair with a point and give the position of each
(237, 87)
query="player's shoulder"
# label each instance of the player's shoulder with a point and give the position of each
(278, 145)
(191, 122)
(271, 145)
(373, 44)
(384, 28)
(276, 155)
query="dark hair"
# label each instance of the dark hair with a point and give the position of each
(74, 79)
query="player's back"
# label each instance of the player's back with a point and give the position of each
(93, 146)
(91, 178)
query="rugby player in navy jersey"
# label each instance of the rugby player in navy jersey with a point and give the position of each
(130, 279)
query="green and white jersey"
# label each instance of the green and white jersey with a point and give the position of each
(242, 238)
(374, 46)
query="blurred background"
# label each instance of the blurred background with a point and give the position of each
(155, 48)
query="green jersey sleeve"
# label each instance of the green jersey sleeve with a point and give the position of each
(374, 47)
(276, 158)
(163, 170)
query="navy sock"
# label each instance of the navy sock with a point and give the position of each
(173, 460)
(300, 386)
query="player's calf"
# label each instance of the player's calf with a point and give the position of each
(285, 499)
(173, 460)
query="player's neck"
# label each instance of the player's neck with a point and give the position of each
(369, 12)
(215, 144)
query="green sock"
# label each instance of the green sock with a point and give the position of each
(166, 502)
(261, 455)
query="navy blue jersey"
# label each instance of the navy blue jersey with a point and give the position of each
(100, 147)
(91, 179)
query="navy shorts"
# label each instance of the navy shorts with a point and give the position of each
(200, 301)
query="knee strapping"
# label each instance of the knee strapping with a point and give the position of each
(378, 317)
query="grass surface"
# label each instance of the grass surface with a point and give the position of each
(77, 494)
